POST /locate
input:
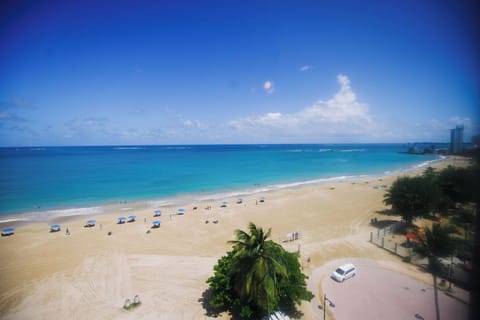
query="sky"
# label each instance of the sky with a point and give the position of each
(213, 72)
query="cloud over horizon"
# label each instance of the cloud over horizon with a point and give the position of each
(342, 115)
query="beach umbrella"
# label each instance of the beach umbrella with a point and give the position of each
(131, 218)
(156, 224)
(55, 227)
(262, 199)
(91, 222)
(412, 236)
(8, 231)
(181, 211)
(121, 219)
(157, 213)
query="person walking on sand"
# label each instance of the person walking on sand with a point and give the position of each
(67, 232)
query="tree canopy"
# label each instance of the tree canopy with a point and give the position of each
(257, 277)
(412, 196)
(433, 191)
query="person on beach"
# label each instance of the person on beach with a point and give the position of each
(67, 232)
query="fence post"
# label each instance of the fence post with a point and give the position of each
(383, 239)
(395, 248)
(371, 236)
(378, 233)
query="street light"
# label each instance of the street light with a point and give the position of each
(330, 302)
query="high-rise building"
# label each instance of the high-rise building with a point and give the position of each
(456, 140)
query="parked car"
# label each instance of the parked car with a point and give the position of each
(344, 272)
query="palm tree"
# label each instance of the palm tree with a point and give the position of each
(258, 268)
(435, 243)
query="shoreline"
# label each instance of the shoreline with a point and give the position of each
(75, 213)
(44, 271)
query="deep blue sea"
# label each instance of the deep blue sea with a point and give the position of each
(36, 179)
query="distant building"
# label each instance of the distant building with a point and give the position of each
(456, 140)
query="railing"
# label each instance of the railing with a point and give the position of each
(387, 239)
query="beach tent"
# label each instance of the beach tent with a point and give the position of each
(181, 211)
(224, 204)
(54, 228)
(91, 223)
(239, 200)
(131, 218)
(156, 224)
(157, 213)
(8, 232)
(121, 220)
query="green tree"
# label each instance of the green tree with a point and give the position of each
(460, 184)
(412, 196)
(257, 277)
(435, 243)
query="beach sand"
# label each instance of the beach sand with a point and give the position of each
(89, 274)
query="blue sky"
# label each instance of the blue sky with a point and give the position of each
(189, 72)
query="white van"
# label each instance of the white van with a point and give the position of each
(344, 272)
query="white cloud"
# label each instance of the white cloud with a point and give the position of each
(195, 124)
(342, 115)
(456, 120)
(268, 87)
(305, 68)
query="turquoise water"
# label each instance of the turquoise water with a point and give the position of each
(33, 179)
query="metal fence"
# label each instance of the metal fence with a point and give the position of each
(388, 239)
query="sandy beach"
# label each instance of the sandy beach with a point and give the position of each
(89, 274)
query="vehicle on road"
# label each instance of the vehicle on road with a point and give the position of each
(344, 272)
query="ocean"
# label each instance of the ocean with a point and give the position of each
(73, 178)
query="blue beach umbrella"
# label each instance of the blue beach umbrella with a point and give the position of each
(54, 228)
(156, 224)
(121, 220)
(181, 211)
(8, 231)
(91, 222)
(224, 204)
(239, 200)
(158, 213)
(131, 218)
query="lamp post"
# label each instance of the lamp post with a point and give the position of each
(330, 302)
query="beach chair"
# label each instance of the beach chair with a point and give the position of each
(90, 223)
(8, 232)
